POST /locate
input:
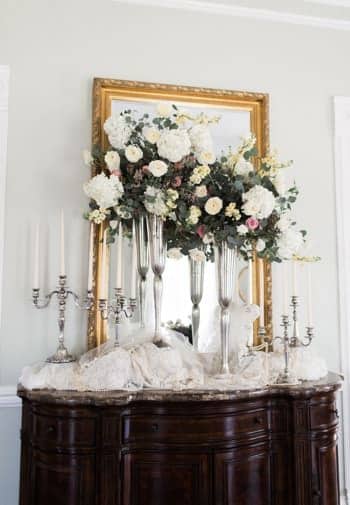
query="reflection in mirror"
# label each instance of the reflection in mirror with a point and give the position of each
(240, 114)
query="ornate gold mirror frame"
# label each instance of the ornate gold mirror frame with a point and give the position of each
(105, 91)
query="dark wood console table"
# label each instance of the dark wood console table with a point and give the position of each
(275, 446)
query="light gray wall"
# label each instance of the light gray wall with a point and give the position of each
(54, 50)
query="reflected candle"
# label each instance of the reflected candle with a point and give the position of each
(91, 248)
(261, 292)
(63, 266)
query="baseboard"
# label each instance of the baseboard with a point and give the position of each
(9, 398)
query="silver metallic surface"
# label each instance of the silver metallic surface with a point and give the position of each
(118, 308)
(158, 257)
(142, 263)
(62, 293)
(286, 376)
(226, 262)
(196, 290)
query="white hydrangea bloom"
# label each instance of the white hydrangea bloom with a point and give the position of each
(174, 145)
(289, 243)
(201, 138)
(258, 202)
(105, 191)
(284, 222)
(118, 131)
(155, 201)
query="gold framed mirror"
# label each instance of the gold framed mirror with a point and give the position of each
(242, 112)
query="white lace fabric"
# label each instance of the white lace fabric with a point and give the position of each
(173, 365)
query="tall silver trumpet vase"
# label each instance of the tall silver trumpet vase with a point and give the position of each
(62, 292)
(155, 226)
(196, 287)
(226, 263)
(142, 262)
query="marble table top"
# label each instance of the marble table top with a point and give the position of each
(331, 382)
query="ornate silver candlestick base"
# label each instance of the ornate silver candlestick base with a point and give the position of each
(62, 355)
(286, 377)
(118, 308)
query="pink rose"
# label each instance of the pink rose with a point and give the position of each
(176, 182)
(201, 230)
(145, 169)
(252, 223)
(116, 172)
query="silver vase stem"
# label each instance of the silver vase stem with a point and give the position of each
(142, 263)
(158, 256)
(226, 264)
(196, 289)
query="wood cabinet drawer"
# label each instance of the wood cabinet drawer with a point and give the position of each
(323, 415)
(165, 428)
(65, 432)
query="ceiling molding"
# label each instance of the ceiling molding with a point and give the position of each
(331, 3)
(244, 12)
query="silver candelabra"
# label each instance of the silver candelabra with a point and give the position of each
(118, 308)
(296, 341)
(62, 292)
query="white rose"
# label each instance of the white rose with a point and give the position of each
(112, 160)
(133, 154)
(118, 131)
(106, 191)
(158, 168)
(88, 159)
(196, 254)
(151, 134)
(213, 205)
(260, 245)
(174, 253)
(289, 243)
(284, 222)
(164, 109)
(201, 191)
(206, 157)
(258, 202)
(242, 229)
(243, 167)
(174, 145)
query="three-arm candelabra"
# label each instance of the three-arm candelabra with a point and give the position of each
(118, 308)
(62, 292)
(286, 376)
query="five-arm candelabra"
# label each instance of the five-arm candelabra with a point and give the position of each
(62, 292)
(118, 308)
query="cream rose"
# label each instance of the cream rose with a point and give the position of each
(158, 168)
(164, 109)
(196, 254)
(213, 205)
(201, 191)
(133, 154)
(151, 134)
(112, 160)
(206, 157)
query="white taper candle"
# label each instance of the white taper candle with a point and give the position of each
(250, 300)
(294, 278)
(285, 287)
(91, 252)
(62, 255)
(36, 258)
(261, 292)
(309, 296)
(104, 289)
(133, 264)
(119, 271)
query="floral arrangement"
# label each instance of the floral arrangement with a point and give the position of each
(166, 165)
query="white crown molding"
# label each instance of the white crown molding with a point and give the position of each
(8, 397)
(244, 12)
(331, 3)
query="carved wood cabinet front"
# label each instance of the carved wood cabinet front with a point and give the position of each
(276, 449)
